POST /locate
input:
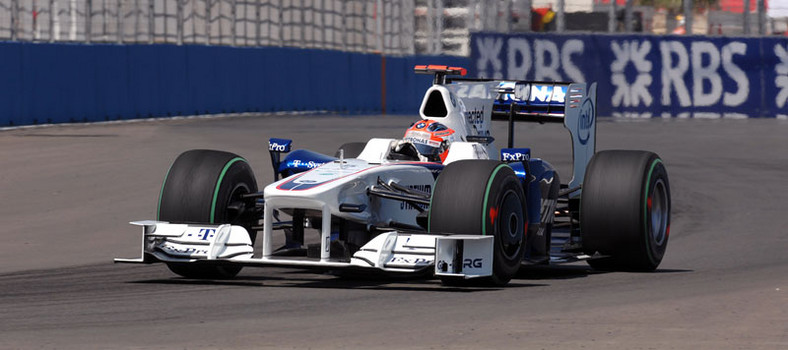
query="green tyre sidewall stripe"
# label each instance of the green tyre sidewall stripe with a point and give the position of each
(161, 193)
(219, 184)
(645, 208)
(487, 196)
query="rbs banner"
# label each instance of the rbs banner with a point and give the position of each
(649, 76)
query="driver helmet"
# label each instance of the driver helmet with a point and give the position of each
(430, 138)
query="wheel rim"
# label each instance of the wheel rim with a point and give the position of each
(658, 212)
(511, 225)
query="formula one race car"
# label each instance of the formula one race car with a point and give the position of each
(442, 200)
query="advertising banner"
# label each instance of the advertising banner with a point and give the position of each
(649, 76)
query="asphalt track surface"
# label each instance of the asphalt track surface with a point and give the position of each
(68, 192)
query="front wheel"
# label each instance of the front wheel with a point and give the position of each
(205, 187)
(625, 210)
(483, 197)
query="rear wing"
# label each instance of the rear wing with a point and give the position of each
(533, 101)
(573, 104)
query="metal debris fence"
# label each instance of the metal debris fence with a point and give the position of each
(390, 27)
(384, 26)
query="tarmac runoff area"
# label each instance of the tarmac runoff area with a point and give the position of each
(69, 191)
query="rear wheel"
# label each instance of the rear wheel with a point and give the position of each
(484, 197)
(625, 210)
(204, 186)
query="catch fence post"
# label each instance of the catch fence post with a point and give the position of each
(746, 13)
(88, 20)
(151, 27)
(688, 14)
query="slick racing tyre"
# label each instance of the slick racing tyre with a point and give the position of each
(482, 197)
(352, 149)
(204, 186)
(625, 210)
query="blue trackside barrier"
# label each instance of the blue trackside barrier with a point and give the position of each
(56, 83)
(650, 76)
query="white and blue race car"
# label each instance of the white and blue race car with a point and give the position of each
(443, 200)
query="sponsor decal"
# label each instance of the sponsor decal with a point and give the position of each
(314, 178)
(472, 263)
(442, 266)
(585, 122)
(279, 145)
(204, 234)
(533, 93)
(422, 138)
(409, 261)
(310, 164)
(515, 154)
(422, 188)
(170, 249)
(475, 119)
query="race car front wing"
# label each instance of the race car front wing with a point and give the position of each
(463, 256)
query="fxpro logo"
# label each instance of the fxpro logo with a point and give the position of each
(276, 147)
(515, 157)
(515, 154)
(279, 145)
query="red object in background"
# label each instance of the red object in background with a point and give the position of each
(541, 17)
(736, 6)
(618, 2)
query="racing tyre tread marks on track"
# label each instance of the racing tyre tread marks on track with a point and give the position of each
(473, 197)
(352, 149)
(204, 186)
(625, 210)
